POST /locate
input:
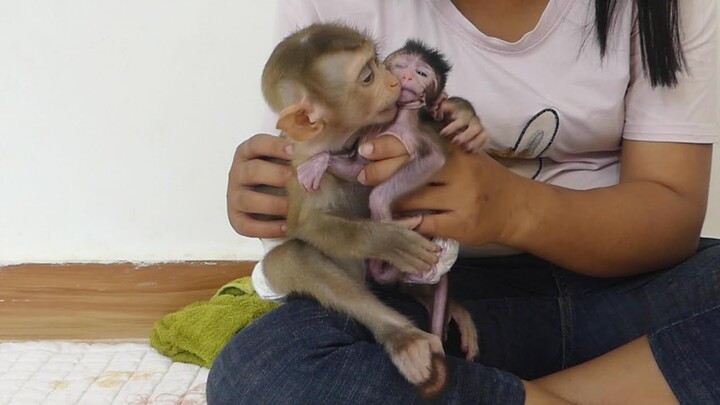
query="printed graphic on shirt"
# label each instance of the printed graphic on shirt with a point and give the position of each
(525, 157)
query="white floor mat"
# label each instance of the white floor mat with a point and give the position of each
(60, 373)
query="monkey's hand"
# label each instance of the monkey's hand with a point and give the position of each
(464, 125)
(447, 257)
(310, 173)
(393, 242)
(409, 251)
(435, 111)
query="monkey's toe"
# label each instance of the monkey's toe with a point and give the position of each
(420, 359)
(438, 381)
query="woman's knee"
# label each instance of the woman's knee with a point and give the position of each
(694, 285)
(269, 358)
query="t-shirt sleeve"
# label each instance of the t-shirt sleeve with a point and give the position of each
(687, 112)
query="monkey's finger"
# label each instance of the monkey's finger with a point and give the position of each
(447, 106)
(476, 144)
(422, 247)
(436, 345)
(415, 255)
(428, 254)
(465, 136)
(412, 253)
(260, 172)
(471, 139)
(407, 263)
(453, 127)
(245, 225)
(263, 145)
(316, 183)
(423, 259)
(377, 172)
(419, 368)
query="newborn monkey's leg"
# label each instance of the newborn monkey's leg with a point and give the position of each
(426, 294)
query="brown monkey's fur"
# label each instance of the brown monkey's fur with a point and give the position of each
(327, 84)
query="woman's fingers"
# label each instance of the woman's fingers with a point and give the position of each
(386, 154)
(377, 172)
(256, 172)
(245, 224)
(249, 210)
(383, 147)
(259, 162)
(263, 145)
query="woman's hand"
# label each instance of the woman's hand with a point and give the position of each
(473, 194)
(474, 197)
(251, 171)
(387, 154)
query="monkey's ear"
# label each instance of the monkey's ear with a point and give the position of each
(295, 120)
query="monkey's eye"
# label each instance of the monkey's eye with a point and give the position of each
(421, 73)
(367, 75)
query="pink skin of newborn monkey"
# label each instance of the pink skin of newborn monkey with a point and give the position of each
(422, 72)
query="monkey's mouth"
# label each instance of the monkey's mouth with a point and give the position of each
(407, 94)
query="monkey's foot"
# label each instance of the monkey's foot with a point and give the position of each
(420, 358)
(382, 272)
(450, 249)
(466, 326)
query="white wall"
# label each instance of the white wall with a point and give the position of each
(118, 121)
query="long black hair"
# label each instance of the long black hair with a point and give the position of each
(658, 20)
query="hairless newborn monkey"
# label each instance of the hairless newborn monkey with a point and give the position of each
(422, 72)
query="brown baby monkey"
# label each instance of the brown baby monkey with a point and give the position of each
(327, 85)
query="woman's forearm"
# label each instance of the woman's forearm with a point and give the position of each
(619, 230)
(651, 220)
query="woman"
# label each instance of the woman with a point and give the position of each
(583, 267)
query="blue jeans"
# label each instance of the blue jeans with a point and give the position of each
(533, 318)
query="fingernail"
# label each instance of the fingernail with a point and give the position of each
(366, 149)
(289, 150)
(283, 227)
(362, 178)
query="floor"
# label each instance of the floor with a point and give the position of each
(103, 301)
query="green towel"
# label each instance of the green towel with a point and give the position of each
(198, 332)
